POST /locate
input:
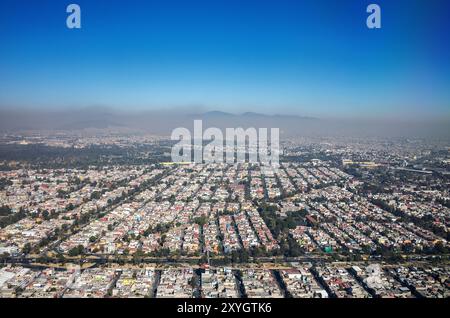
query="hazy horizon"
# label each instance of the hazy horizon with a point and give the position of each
(162, 122)
(309, 58)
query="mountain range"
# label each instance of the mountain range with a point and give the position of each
(163, 122)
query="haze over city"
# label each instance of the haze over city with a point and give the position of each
(305, 58)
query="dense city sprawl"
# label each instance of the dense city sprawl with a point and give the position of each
(337, 218)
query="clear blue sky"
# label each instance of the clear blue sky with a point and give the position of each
(313, 57)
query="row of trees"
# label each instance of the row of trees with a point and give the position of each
(5, 210)
(12, 218)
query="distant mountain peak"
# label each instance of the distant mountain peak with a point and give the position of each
(217, 113)
(253, 114)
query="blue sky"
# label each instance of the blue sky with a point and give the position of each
(313, 57)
